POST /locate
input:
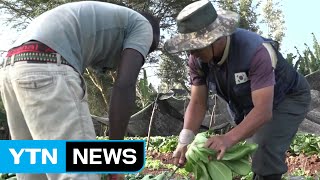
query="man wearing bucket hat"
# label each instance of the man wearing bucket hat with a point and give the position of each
(41, 82)
(267, 97)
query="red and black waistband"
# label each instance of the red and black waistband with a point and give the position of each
(33, 52)
(32, 46)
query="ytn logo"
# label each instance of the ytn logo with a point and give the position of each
(32, 156)
(32, 153)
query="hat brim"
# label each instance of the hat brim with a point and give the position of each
(225, 24)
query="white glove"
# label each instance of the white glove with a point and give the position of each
(185, 138)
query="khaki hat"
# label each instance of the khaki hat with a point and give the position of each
(199, 25)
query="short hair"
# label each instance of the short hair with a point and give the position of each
(155, 23)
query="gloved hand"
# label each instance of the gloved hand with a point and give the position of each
(185, 138)
(115, 177)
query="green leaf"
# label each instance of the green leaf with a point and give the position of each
(148, 177)
(189, 166)
(202, 156)
(240, 167)
(239, 151)
(161, 176)
(204, 175)
(219, 171)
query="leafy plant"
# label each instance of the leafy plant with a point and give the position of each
(169, 145)
(8, 176)
(153, 164)
(248, 176)
(308, 60)
(203, 163)
(308, 144)
(145, 91)
(159, 143)
(161, 176)
(298, 173)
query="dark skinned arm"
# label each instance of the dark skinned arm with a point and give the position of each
(124, 93)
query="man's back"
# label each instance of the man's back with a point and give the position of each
(91, 33)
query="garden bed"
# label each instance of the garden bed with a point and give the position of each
(298, 165)
(303, 158)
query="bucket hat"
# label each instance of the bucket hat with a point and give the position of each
(199, 25)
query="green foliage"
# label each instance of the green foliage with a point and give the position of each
(169, 145)
(274, 19)
(160, 143)
(308, 144)
(305, 143)
(308, 60)
(291, 60)
(157, 165)
(173, 71)
(234, 161)
(248, 176)
(247, 11)
(300, 173)
(163, 144)
(8, 176)
(153, 164)
(145, 91)
(96, 103)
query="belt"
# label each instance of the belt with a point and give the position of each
(34, 57)
(33, 52)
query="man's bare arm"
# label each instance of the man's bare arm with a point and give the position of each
(261, 113)
(196, 108)
(124, 93)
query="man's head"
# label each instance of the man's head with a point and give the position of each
(156, 30)
(212, 52)
(200, 25)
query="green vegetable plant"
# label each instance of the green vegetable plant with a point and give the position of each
(8, 176)
(307, 144)
(202, 162)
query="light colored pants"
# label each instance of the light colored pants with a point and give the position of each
(46, 102)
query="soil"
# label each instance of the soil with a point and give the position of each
(310, 165)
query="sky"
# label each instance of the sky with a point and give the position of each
(300, 21)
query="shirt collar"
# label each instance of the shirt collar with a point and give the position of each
(226, 52)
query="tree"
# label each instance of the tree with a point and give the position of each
(274, 19)
(173, 71)
(309, 60)
(291, 59)
(247, 11)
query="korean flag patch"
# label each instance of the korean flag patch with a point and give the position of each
(240, 77)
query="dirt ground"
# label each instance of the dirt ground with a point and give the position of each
(310, 165)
